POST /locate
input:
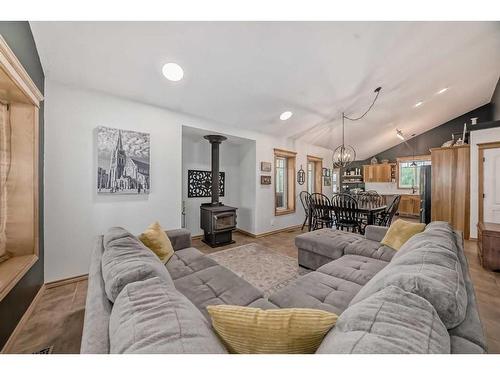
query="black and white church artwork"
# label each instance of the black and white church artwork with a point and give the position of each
(122, 161)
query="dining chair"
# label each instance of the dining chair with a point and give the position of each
(385, 219)
(321, 211)
(346, 213)
(304, 199)
(375, 199)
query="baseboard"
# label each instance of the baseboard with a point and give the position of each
(197, 237)
(23, 320)
(264, 234)
(69, 280)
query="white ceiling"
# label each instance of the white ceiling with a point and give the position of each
(244, 74)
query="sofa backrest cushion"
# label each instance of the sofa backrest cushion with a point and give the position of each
(125, 260)
(151, 317)
(431, 270)
(390, 321)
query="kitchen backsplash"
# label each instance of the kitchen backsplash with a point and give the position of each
(387, 188)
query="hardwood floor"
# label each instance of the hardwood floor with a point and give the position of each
(57, 318)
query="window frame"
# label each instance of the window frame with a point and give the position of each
(317, 173)
(290, 198)
(410, 159)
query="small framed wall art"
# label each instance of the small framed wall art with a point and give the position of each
(265, 166)
(265, 180)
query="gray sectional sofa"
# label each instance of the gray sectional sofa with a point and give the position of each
(417, 300)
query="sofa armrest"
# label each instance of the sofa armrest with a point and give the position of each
(375, 233)
(180, 238)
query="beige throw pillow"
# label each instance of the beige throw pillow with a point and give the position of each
(249, 330)
(399, 232)
(157, 240)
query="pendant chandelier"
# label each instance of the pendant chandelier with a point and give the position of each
(344, 155)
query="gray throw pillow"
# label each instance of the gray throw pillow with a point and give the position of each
(150, 317)
(390, 321)
(125, 260)
(431, 270)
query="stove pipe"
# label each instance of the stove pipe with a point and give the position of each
(215, 141)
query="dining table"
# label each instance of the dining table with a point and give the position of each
(368, 209)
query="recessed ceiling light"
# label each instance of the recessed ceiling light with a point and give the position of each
(285, 115)
(172, 72)
(418, 104)
(442, 90)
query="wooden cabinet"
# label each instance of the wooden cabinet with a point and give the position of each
(451, 186)
(488, 245)
(409, 205)
(378, 172)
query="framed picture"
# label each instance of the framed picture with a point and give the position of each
(265, 180)
(265, 166)
(122, 161)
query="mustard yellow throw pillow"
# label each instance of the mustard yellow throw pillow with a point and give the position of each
(399, 232)
(249, 330)
(156, 239)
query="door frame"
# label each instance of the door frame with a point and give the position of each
(480, 175)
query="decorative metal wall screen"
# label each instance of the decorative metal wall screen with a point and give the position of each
(200, 184)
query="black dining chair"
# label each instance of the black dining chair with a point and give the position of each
(322, 215)
(346, 213)
(385, 219)
(375, 199)
(304, 199)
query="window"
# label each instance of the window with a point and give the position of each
(281, 188)
(409, 171)
(310, 177)
(314, 177)
(284, 186)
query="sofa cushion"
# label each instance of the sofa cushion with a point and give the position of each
(216, 285)
(152, 317)
(390, 321)
(125, 260)
(355, 268)
(431, 271)
(327, 242)
(317, 290)
(155, 238)
(187, 261)
(369, 248)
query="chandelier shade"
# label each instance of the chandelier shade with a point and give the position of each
(343, 156)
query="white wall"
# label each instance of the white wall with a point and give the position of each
(478, 136)
(75, 214)
(234, 161)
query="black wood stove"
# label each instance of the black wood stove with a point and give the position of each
(217, 220)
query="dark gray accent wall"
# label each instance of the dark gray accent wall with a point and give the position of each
(20, 39)
(495, 102)
(432, 138)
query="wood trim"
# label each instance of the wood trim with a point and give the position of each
(314, 158)
(448, 148)
(22, 322)
(264, 234)
(416, 157)
(22, 263)
(15, 70)
(480, 175)
(284, 153)
(69, 280)
(197, 237)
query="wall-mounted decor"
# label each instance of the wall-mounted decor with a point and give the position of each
(265, 180)
(122, 161)
(301, 176)
(327, 181)
(325, 172)
(265, 166)
(200, 183)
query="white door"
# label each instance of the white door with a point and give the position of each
(491, 185)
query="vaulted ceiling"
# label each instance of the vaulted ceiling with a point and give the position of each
(244, 74)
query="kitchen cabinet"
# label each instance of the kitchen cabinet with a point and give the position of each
(409, 205)
(378, 172)
(450, 186)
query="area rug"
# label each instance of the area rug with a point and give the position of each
(262, 267)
